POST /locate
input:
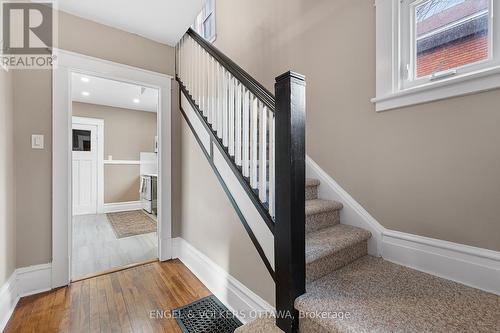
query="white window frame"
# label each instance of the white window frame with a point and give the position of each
(393, 36)
(199, 24)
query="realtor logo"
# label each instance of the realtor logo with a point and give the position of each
(27, 34)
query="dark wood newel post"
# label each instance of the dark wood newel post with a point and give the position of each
(289, 237)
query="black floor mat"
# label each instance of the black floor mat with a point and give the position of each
(208, 315)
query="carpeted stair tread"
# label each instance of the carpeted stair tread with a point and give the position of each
(333, 239)
(385, 297)
(312, 182)
(331, 248)
(319, 206)
(312, 188)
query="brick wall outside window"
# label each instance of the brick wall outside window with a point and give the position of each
(455, 54)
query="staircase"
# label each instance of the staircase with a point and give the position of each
(329, 244)
(324, 279)
(350, 291)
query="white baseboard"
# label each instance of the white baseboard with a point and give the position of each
(232, 293)
(8, 300)
(34, 279)
(23, 282)
(122, 206)
(472, 266)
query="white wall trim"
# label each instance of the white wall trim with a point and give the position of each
(8, 300)
(122, 206)
(472, 266)
(68, 63)
(232, 293)
(23, 282)
(34, 279)
(121, 162)
(391, 92)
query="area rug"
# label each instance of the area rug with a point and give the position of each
(131, 223)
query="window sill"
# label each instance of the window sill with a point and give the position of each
(466, 84)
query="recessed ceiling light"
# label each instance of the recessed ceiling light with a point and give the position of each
(137, 101)
(85, 93)
(85, 79)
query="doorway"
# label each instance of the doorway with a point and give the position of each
(114, 152)
(64, 208)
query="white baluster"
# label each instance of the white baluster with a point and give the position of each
(180, 61)
(263, 153)
(200, 76)
(209, 87)
(272, 177)
(254, 133)
(195, 69)
(200, 80)
(237, 124)
(186, 62)
(220, 97)
(225, 114)
(214, 92)
(204, 83)
(196, 80)
(192, 79)
(183, 58)
(189, 77)
(231, 115)
(246, 134)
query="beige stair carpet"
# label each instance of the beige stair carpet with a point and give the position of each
(374, 295)
(349, 291)
(131, 223)
(384, 297)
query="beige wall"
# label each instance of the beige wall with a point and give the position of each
(210, 223)
(431, 170)
(121, 183)
(33, 115)
(127, 133)
(7, 226)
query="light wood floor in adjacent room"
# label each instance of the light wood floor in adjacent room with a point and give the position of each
(96, 248)
(117, 302)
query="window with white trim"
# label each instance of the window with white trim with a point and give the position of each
(435, 49)
(205, 21)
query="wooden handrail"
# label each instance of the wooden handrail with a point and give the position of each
(246, 79)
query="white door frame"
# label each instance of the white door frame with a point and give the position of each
(99, 123)
(68, 63)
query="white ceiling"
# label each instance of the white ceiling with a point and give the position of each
(164, 21)
(95, 90)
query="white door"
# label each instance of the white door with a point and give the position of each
(84, 138)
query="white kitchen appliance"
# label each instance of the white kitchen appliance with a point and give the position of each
(149, 177)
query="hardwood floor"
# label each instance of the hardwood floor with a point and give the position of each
(117, 302)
